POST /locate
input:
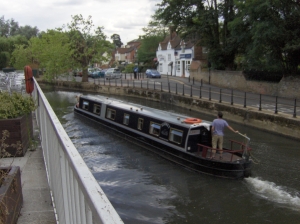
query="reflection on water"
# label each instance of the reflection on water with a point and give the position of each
(145, 188)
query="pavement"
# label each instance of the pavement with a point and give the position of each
(37, 204)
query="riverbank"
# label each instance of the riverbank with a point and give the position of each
(280, 123)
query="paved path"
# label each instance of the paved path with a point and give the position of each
(37, 205)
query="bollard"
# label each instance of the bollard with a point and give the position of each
(294, 115)
(276, 111)
(200, 95)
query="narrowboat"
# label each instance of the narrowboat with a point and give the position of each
(180, 139)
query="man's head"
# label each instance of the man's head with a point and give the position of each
(220, 114)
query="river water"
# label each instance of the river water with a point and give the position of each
(145, 188)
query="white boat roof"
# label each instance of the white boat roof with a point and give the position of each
(166, 116)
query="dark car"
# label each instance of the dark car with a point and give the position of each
(152, 73)
(96, 73)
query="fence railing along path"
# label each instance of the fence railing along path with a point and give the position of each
(191, 88)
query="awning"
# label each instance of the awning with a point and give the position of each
(171, 63)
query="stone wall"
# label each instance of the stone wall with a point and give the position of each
(287, 87)
(265, 120)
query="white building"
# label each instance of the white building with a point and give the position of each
(175, 56)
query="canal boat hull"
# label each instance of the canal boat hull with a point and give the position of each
(190, 148)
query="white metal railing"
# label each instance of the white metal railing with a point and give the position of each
(77, 196)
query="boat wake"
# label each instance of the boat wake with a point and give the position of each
(278, 194)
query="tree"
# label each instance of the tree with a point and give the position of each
(200, 20)
(87, 45)
(116, 40)
(148, 48)
(272, 41)
(7, 46)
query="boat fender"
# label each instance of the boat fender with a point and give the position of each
(192, 120)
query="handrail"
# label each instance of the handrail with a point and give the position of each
(76, 195)
(231, 151)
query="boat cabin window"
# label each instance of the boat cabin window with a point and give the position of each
(154, 129)
(110, 114)
(126, 119)
(97, 109)
(140, 123)
(85, 105)
(175, 136)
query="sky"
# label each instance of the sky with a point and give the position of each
(123, 17)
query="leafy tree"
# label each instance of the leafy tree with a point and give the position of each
(116, 40)
(10, 28)
(147, 51)
(87, 45)
(272, 42)
(7, 46)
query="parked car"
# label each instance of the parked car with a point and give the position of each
(152, 73)
(77, 72)
(98, 73)
(93, 72)
(113, 73)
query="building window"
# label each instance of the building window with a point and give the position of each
(178, 65)
(154, 129)
(97, 109)
(110, 114)
(188, 65)
(175, 136)
(85, 105)
(169, 57)
(160, 67)
(126, 119)
(140, 124)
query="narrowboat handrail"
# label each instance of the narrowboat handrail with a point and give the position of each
(205, 148)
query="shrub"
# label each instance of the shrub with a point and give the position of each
(15, 105)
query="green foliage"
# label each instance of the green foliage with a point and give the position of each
(147, 51)
(128, 68)
(87, 45)
(15, 105)
(116, 40)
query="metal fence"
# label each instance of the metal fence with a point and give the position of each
(77, 196)
(187, 87)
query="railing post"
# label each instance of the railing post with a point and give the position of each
(191, 95)
(209, 93)
(176, 88)
(200, 94)
(259, 102)
(231, 97)
(183, 89)
(169, 87)
(161, 87)
(220, 101)
(276, 99)
(141, 84)
(294, 115)
(245, 101)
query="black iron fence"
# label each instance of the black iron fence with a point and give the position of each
(203, 91)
